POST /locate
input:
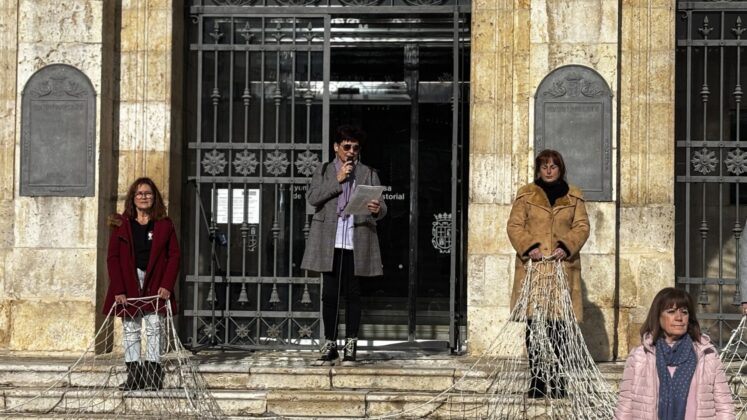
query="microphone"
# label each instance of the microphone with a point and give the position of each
(351, 159)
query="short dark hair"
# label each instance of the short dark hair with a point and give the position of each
(549, 155)
(350, 132)
(667, 298)
(157, 212)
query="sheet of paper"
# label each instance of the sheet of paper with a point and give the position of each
(361, 196)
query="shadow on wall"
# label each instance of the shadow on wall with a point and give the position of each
(594, 329)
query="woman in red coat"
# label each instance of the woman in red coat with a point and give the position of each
(143, 261)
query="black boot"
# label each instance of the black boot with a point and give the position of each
(329, 351)
(348, 352)
(153, 376)
(537, 388)
(134, 377)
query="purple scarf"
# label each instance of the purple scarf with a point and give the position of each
(347, 188)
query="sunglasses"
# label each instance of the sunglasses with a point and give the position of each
(347, 147)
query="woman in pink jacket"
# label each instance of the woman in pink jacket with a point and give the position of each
(676, 373)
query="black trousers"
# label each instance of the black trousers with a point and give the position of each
(538, 386)
(341, 281)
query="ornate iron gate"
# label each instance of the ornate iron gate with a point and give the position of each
(711, 158)
(258, 127)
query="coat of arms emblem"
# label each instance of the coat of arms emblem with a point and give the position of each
(442, 232)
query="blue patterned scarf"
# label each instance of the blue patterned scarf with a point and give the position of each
(673, 390)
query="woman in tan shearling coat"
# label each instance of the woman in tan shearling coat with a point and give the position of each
(548, 219)
(538, 229)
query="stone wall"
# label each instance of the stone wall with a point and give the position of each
(8, 110)
(53, 249)
(515, 45)
(646, 251)
(50, 259)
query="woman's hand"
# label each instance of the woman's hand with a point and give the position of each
(120, 299)
(559, 254)
(345, 170)
(535, 254)
(374, 206)
(163, 293)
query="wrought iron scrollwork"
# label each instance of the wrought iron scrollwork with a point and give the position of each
(307, 162)
(425, 2)
(736, 162)
(234, 2)
(704, 161)
(245, 163)
(296, 2)
(360, 2)
(214, 162)
(276, 163)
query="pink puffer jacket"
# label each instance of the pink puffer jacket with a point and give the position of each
(639, 389)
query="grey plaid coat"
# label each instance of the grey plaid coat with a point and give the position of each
(320, 247)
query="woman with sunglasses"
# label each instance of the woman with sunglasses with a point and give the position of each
(143, 262)
(341, 247)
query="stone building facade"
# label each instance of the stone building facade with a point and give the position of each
(53, 248)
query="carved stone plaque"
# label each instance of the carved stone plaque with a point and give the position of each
(573, 115)
(58, 124)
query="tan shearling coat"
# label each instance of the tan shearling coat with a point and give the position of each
(533, 222)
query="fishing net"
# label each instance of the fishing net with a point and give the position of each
(734, 359)
(538, 366)
(165, 383)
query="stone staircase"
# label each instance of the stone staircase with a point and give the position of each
(287, 384)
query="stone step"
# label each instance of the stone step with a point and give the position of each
(279, 403)
(286, 384)
(300, 372)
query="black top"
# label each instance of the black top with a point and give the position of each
(554, 190)
(142, 238)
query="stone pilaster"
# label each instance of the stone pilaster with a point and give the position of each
(515, 45)
(50, 262)
(149, 114)
(8, 60)
(647, 157)
(499, 151)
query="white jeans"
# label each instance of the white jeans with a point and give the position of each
(132, 327)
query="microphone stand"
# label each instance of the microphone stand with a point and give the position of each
(213, 235)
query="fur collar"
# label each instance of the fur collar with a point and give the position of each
(536, 196)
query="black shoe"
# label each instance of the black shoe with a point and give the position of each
(350, 349)
(329, 351)
(152, 376)
(134, 377)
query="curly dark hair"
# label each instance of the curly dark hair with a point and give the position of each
(157, 212)
(350, 132)
(667, 298)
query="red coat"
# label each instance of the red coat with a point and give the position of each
(162, 271)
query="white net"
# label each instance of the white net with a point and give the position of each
(538, 366)
(734, 359)
(542, 366)
(151, 376)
